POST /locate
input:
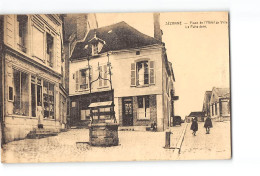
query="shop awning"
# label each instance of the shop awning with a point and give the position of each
(99, 104)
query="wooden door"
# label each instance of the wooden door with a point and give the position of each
(128, 111)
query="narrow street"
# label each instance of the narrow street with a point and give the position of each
(215, 145)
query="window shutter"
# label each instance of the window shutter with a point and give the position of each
(58, 52)
(105, 75)
(77, 80)
(91, 73)
(38, 40)
(10, 32)
(152, 75)
(133, 74)
(100, 80)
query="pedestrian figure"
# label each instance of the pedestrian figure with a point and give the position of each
(154, 126)
(194, 126)
(208, 124)
(40, 115)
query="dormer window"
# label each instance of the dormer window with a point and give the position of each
(95, 49)
(96, 44)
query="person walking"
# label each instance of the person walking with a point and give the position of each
(194, 126)
(208, 124)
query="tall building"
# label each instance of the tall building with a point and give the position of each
(32, 76)
(142, 78)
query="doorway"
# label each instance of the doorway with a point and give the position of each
(128, 111)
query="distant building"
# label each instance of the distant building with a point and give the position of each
(200, 116)
(220, 104)
(206, 103)
(142, 77)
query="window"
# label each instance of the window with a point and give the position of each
(21, 95)
(36, 94)
(105, 75)
(228, 107)
(73, 104)
(39, 92)
(22, 32)
(101, 73)
(212, 109)
(216, 109)
(85, 114)
(77, 81)
(220, 108)
(49, 49)
(142, 73)
(95, 49)
(84, 79)
(38, 43)
(143, 111)
(48, 100)
(10, 93)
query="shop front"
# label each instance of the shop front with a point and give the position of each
(137, 110)
(80, 110)
(31, 98)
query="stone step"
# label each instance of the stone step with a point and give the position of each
(41, 133)
(133, 128)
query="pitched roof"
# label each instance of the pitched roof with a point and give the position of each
(197, 114)
(117, 37)
(222, 92)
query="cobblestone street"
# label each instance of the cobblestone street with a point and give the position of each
(134, 145)
(215, 145)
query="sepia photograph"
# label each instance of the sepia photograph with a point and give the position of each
(93, 87)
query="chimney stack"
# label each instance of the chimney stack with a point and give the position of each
(157, 28)
(82, 26)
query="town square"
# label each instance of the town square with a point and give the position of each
(105, 87)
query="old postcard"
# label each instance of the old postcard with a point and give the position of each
(115, 87)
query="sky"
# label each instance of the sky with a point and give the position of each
(200, 56)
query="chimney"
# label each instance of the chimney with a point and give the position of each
(81, 21)
(157, 28)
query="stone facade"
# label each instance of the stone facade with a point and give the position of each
(142, 77)
(32, 75)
